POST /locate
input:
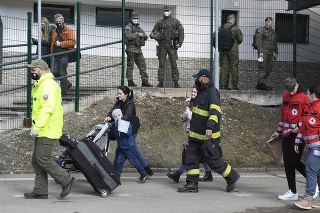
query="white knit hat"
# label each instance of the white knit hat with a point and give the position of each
(116, 112)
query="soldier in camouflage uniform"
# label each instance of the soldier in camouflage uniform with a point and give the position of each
(136, 38)
(268, 50)
(169, 34)
(229, 61)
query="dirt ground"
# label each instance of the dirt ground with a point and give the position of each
(245, 128)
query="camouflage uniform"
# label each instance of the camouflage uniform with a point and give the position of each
(229, 61)
(166, 31)
(266, 44)
(134, 53)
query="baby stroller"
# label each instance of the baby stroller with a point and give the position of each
(97, 135)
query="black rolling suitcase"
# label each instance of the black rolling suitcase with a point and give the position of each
(93, 163)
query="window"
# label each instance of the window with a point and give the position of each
(226, 13)
(111, 16)
(49, 10)
(284, 28)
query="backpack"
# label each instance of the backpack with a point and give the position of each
(254, 39)
(225, 39)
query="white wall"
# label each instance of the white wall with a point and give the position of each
(194, 15)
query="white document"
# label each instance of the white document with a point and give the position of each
(123, 126)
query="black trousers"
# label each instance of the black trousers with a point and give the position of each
(292, 160)
(195, 152)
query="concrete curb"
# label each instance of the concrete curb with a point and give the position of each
(132, 170)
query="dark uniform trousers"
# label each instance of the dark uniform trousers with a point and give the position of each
(229, 66)
(173, 57)
(43, 165)
(195, 152)
(292, 160)
(265, 67)
(137, 58)
(60, 70)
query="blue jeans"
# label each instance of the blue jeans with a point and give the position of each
(140, 156)
(205, 166)
(122, 155)
(313, 170)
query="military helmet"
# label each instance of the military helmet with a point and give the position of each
(166, 7)
(134, 15)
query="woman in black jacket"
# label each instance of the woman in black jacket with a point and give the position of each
(126, 104)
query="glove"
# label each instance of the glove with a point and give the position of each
(34, 132)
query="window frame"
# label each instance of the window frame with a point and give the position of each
(284, 28)
(117, 24)
(68, 18)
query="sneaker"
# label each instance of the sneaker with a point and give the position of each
(142, 178)
(288, 196)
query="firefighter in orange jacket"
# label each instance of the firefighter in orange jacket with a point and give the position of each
(294, 103)
(309, 133)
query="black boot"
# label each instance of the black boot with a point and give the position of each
(146, 84)
(131, 84)
(189, 187)
(176, 84)
(230, 187)
(208, 177)
(160, 85)
(175, 176)
(148, 171)
(262, 86)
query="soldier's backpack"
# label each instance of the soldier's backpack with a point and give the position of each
(254, 39)
(225, 39)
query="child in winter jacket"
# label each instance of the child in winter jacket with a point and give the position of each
(126, 149)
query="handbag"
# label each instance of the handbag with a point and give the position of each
(135, 123)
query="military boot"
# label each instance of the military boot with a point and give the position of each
(262, 86)
(208, 177)
(175, 176)
(176, 84)
(145, 83)
(131, 84)
(189, 187)
(160, 85)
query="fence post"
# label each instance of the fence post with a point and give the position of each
(294, 68)
(27, 119)
(123, 39)
(77, 107)
(1, 51)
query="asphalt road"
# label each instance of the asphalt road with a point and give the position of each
(255, 192)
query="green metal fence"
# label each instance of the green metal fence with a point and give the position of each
(99, 31)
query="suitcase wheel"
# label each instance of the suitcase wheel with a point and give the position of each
(104, 193)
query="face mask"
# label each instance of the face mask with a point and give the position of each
(166, 13)
(35, 76)
(59, 25)
(135, 21)
(197, 83)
